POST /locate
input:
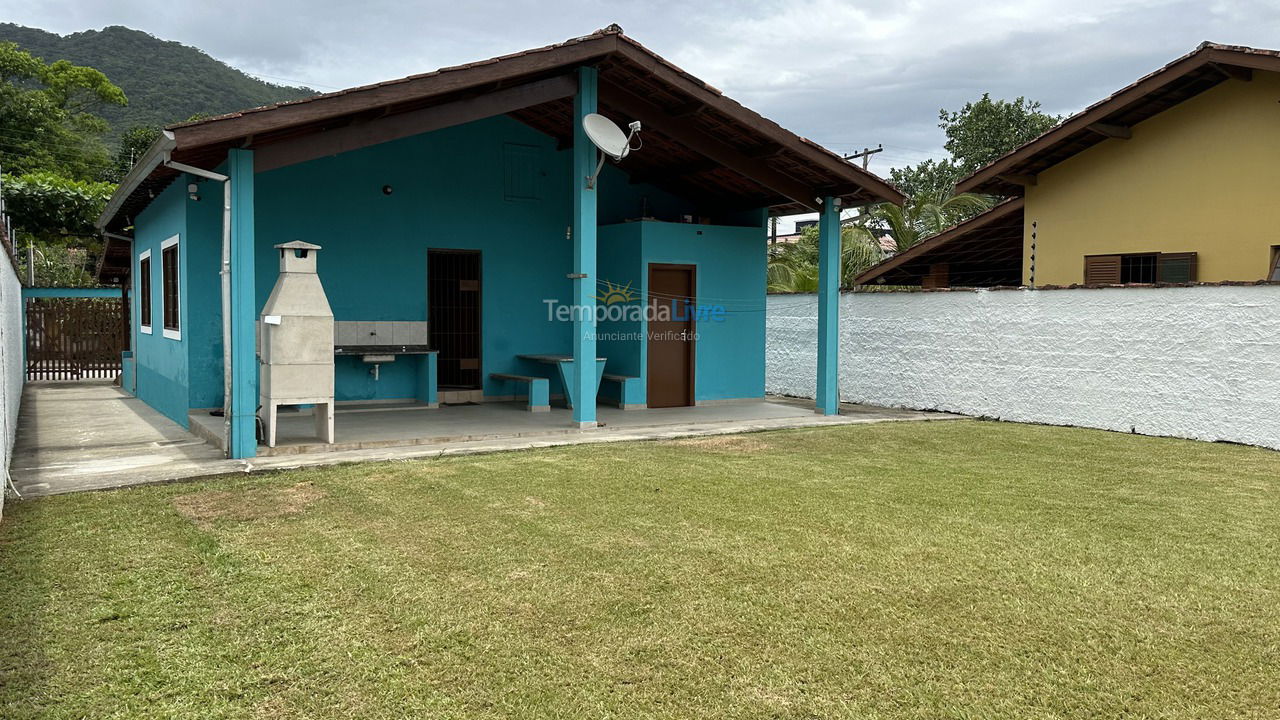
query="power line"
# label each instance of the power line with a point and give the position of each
(303, 83)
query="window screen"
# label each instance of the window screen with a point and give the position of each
(169, 266)
(144, 292)
(1138, 268)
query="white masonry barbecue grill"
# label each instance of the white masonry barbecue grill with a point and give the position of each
(296, 342)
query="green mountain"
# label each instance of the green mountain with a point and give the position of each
(165, 81)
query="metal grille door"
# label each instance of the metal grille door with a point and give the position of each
(453, 308)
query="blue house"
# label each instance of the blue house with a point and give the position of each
(456, 206)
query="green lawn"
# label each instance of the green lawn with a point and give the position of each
(927, 570)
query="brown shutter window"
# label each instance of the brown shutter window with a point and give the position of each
(144, 292)
(169, 268)
(1101, 269)
(1176, 268)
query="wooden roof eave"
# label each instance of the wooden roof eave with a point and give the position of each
(876, 188)
(941, 240)
(150, 160)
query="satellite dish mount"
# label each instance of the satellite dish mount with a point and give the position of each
(609, 139)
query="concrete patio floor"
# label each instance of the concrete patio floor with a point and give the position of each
(91, 435)
(372, 427)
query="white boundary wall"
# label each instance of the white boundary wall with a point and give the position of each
(1199, 362)
(11, 371)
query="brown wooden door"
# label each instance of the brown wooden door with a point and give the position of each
(672, 297)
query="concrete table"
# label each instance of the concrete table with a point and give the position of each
(568, 371)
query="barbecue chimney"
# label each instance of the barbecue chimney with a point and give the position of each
(296, 342)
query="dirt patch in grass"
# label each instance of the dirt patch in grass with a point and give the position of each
(726, 443)
(528, 506)
(207, 507)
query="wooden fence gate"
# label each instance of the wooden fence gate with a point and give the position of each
(74, 338)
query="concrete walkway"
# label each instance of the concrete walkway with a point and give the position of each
(90, 436)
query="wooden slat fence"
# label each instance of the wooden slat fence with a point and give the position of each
(74, 338)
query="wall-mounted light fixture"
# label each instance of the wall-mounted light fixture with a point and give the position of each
(193, 191)
(387, 190)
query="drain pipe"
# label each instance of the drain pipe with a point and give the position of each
(226, 287)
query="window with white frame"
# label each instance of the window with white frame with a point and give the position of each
(144, 292)
(169, 291)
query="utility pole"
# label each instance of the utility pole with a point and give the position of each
(865, 155)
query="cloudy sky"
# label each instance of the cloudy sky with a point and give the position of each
(846, 74)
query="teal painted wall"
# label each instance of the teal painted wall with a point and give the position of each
(619, 264)
(730, 272)
(162, 377)
(202, 326)
(450, 189)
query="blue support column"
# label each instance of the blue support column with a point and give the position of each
(828, 396)
(244, 309)
(584, 255)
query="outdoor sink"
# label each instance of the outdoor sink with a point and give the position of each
(388, 352)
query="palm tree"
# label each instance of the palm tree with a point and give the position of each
(924, 216)
(794, 267)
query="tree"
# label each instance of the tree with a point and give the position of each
(934, 178)
(984, 130)
(977, 134)
(164, 80)
(56, 215)
(51, 147)
(46, 115)
(932, 205)
(133, 144)
(54, 208)
(793, 267)
(923, 216)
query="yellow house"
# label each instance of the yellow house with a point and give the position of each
(1172, 179)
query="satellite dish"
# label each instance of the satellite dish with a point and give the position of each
(610, 140)
(606, 136)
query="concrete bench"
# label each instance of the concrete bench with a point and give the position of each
(630, 391)
(539, 390)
